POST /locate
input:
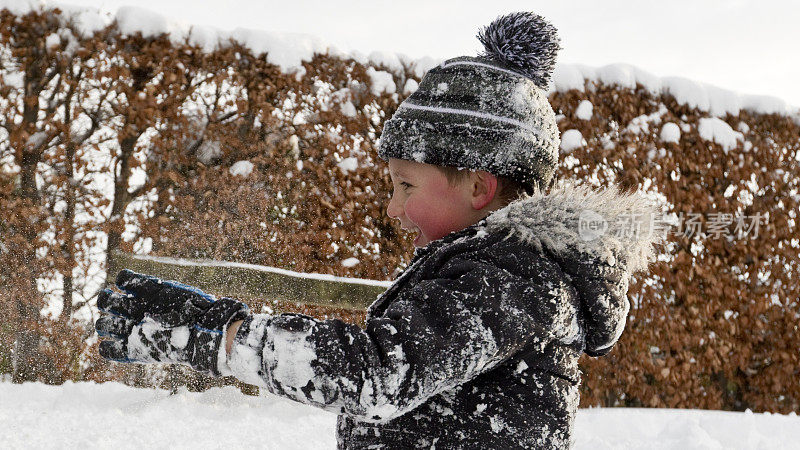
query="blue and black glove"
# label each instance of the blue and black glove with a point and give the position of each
(158, 321)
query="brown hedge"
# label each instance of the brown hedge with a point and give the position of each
(713, 325)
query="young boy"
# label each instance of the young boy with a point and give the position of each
(476, 344)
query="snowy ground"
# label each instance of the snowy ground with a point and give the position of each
(111, 415)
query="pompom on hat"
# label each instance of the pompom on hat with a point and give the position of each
(488, 112)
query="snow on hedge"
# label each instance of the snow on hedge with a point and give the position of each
(585, 110)
(570, 140)
(670, 132)
(716, 130)
(242, 168)
(111, 415)
(705, 97)
(289, 50)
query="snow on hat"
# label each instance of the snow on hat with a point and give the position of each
(488, 112)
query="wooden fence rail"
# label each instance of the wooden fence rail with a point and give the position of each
(249, 281)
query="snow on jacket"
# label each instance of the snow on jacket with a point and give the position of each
(476, 344)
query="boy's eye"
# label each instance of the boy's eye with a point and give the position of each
(405, 185)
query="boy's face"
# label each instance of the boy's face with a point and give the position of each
(424, 201)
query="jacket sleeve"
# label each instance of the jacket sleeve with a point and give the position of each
(435, 335)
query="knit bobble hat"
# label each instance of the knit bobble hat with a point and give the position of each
(488, 112)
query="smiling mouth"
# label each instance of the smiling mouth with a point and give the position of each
(411, 229)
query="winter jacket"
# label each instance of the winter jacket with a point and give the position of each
(476, 344)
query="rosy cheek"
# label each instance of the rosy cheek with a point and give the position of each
(436, 214)
(429, 218)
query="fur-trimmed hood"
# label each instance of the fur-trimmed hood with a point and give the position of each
(573, 218)
(599, 238)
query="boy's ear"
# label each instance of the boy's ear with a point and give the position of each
(484, 187)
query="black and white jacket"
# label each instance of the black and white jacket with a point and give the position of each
(476, 344)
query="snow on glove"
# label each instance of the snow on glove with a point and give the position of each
(159, 321)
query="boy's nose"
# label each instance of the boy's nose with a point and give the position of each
(393, 210)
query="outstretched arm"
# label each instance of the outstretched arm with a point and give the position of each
(434, 336)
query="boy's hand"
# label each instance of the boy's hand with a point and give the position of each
(163, 321)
